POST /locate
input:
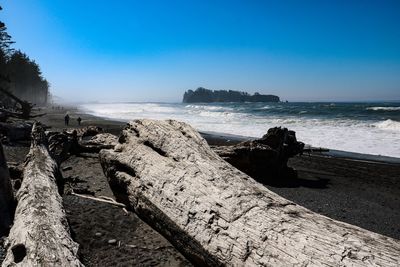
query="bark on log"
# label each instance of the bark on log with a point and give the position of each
(217, 215)
(6, 196)
(40, 235)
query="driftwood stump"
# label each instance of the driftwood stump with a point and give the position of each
(217, 215)
(6, 196)
(40, 235)
(265, 158)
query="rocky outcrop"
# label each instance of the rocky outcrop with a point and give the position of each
(40, 234)
(217, 215)
(205, 95)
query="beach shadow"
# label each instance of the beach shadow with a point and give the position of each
(87, 155)
(320, 183)
(282, 182)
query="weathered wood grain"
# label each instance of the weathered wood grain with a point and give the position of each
(40, 234)
(217, 215)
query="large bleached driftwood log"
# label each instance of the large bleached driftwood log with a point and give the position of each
(6, 195)
(40, 235)
(217, 215)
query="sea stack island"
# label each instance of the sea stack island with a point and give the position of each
(207, 96)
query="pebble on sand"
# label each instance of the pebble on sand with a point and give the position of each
(112, 241)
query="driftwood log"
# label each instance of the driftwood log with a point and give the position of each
(40, 235)
(98, 142)
(85, 131)
(62, 145)
(217, 215)
(6, 196)
(265, 158)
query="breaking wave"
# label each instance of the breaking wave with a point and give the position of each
(388, 125)
(341, 126)
(384, 108)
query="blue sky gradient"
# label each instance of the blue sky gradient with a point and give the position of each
(155, 50)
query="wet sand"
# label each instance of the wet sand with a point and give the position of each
(362, 193)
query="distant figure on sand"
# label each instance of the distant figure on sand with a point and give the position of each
(66, 119)
(79, 120)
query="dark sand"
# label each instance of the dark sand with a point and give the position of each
(366, 194)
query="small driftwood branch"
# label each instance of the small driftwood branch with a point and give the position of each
(99, 200)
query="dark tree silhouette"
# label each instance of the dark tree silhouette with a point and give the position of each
(19, 75)
(5, 39)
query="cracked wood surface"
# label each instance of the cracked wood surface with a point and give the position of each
(40, 234)
(217, 215)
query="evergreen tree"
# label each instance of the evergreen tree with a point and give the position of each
(19, 74)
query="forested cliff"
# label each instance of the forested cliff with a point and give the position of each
(19, 74)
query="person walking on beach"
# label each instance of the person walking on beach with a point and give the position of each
(66, 119)
(79, 119)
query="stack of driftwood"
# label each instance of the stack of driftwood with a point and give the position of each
(13, 115)
(211, 211)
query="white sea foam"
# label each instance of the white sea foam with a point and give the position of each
(211, 108)
(388, 125)
(265, 107)
(377, 138)
(384, 108)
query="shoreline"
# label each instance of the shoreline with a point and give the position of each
(218, 138)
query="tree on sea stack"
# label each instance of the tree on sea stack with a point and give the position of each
(217, 215)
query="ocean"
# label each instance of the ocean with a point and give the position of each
(368, 128)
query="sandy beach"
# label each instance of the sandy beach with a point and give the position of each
(362, 193)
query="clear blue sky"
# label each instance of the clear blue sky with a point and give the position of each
(155, 50)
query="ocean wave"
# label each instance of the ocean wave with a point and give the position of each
(388, 125)
(210, 108)
(218, 114)
(372, 136)
(384, 108)
(265, 107)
